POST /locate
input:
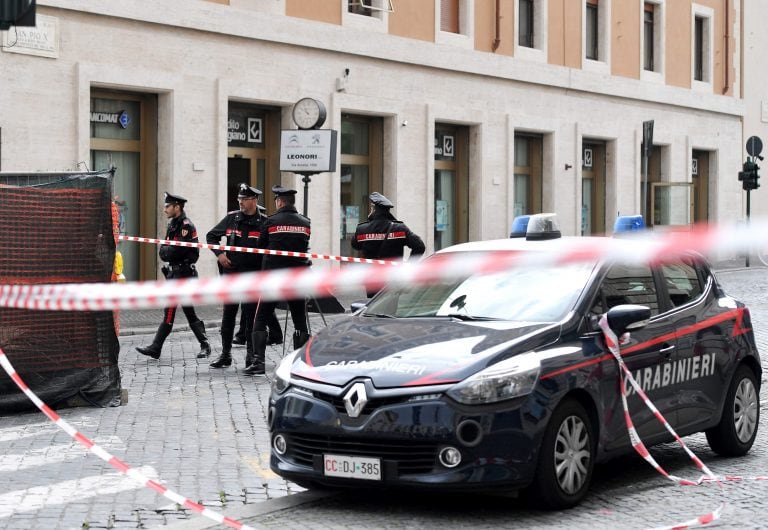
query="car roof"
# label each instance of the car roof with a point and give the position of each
(637, 249)
(519, 244)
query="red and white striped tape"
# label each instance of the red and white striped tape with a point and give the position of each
(114, 461)
(251, 250)
(637, 444)
(301, 282)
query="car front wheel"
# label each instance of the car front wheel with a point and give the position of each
(566, 459)
(736, 432)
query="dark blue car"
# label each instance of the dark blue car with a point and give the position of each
(503, 381)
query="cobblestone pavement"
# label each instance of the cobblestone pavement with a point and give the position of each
(202, 432)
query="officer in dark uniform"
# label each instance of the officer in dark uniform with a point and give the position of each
(285, 230)
(274, 331)
(181, 264)
(242, 228)
(382, 236)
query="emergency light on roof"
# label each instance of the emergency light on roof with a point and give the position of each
(628, 223)
(519, 226)
(543, 226)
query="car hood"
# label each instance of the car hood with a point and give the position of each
(411, 352)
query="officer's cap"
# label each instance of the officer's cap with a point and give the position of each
(280, 191)
(247, 191)
(380, 200)
(174, 199)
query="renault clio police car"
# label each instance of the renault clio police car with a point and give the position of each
(503, 380)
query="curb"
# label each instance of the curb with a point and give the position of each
(248, 511)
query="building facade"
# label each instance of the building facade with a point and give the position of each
(465, 113)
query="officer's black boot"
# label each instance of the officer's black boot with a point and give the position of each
(225, 359)
(198, 328)
(153, 350)
(249, 351)
(300, 338)
(275, 335)
(240, 335)
(259, 340)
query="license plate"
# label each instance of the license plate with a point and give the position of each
(352, 467)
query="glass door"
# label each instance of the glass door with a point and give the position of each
(126, 196)
(445, 206)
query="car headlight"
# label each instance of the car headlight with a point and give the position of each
(507, 379)
(283, 374)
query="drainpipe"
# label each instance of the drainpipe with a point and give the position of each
(497, 39)
(727, 37)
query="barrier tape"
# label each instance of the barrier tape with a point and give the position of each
(302, 282)
(251, 250)
(637, 444)
(114, 461)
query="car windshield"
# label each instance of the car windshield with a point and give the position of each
(529, 294)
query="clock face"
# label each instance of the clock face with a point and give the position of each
(308, 113)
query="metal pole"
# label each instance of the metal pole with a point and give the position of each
(748, 251)
(306, 181)
(649, 221)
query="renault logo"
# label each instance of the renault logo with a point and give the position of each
(355, 400)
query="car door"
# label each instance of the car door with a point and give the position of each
(703, 342)
(648, 353)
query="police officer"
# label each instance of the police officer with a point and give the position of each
(181, 264)
(274, 331)
(241, 228)
(285, 230)
(382, 236)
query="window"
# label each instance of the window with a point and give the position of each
(683, 284)
(591, 44)
(525, 23)
(629, 284)
(359, 8)
(698, 49)
(649, 21)
(449, 16)
(701, 47)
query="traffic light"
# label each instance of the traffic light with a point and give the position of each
(749, 177)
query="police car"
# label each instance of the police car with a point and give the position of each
(503, 381)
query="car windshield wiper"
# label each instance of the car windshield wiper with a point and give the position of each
(380, 315)
(462, 316)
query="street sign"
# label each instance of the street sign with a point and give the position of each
(754, 146)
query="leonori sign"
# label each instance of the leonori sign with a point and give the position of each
(308, 151)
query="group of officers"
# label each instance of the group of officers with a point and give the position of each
(380, 237)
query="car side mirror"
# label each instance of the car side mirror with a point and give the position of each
(626, 317)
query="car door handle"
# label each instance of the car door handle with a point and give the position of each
(666, 350)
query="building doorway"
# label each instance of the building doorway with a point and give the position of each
(700, 164)
(361, 172)
(527, 184)
(124, 135)
(451, 185)
(592, 188)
